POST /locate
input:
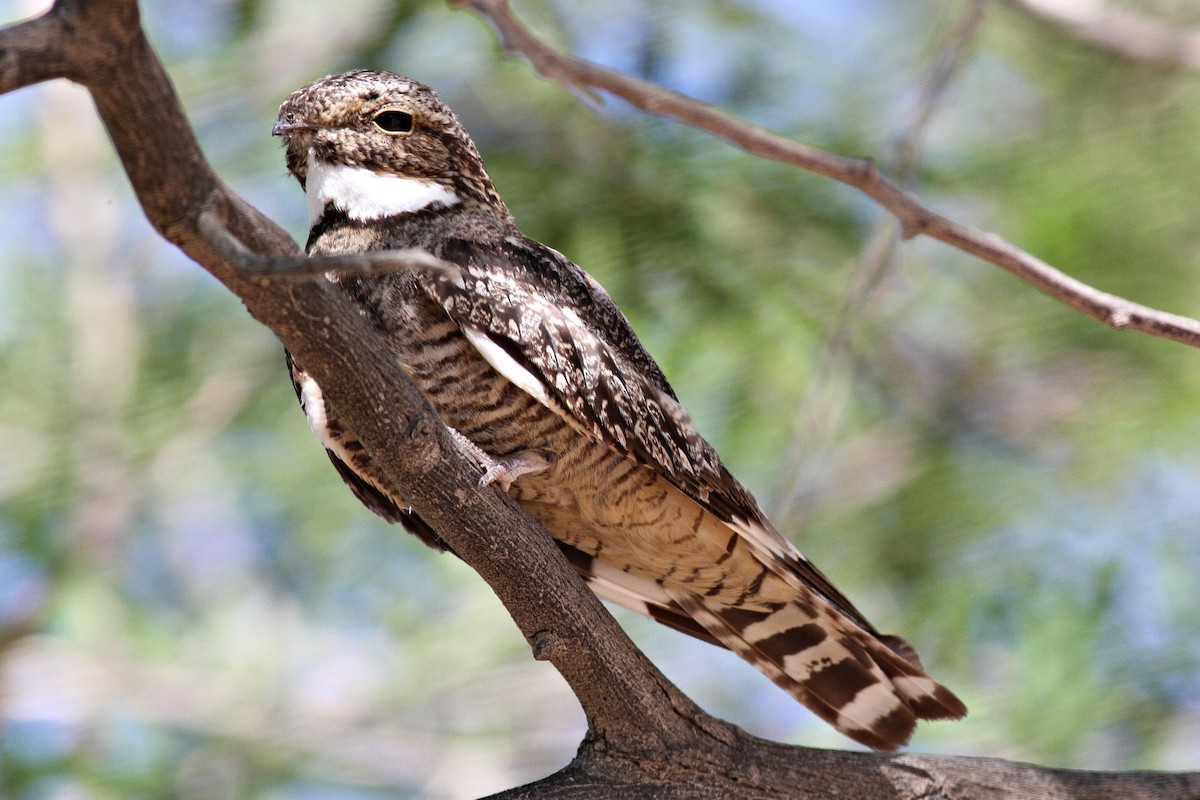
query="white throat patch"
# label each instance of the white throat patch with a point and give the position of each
(365, 194)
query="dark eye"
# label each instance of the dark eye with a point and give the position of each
(394, 121)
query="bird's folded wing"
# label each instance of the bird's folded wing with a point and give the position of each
(553, 332)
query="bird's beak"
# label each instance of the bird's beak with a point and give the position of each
(290, 123)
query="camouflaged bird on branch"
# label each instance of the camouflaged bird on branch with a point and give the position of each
(534, 368)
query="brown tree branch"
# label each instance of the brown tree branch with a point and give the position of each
(1126, 34)
(915, 219)
(298, 268)
(32, 53)
(104, 48)
(645, 737)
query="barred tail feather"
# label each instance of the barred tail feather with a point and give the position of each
(871, 688)
(926, 697)
(851, 679)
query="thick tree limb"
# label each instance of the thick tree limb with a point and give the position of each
(645, 737)
(915, 218)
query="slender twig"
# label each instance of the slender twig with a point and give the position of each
(915, 218)
(254, 266)
(816, 419)
(1126, 34)
(947, 63)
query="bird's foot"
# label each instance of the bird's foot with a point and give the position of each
(503, 471)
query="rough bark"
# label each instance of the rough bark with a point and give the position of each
(645, 737)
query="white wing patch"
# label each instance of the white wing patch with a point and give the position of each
(365, 194)
(313, 403)
(507, 366)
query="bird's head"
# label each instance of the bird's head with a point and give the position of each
(375, 144)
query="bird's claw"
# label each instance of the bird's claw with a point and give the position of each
(503, 471)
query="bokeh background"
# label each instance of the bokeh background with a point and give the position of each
(193, 606)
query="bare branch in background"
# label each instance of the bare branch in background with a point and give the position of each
(806, 464)
(915, 219)
(1123, 33)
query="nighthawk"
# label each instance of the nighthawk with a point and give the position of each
(528, 360)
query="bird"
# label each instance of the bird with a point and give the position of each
(535, 370)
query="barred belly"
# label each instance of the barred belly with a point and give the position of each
(593, 497)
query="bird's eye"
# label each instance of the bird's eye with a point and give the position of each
(394, 122)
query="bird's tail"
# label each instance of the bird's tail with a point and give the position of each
(871, 688)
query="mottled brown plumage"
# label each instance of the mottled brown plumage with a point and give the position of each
(530, 362)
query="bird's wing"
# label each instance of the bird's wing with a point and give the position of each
(352, 461)
(552, 331)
